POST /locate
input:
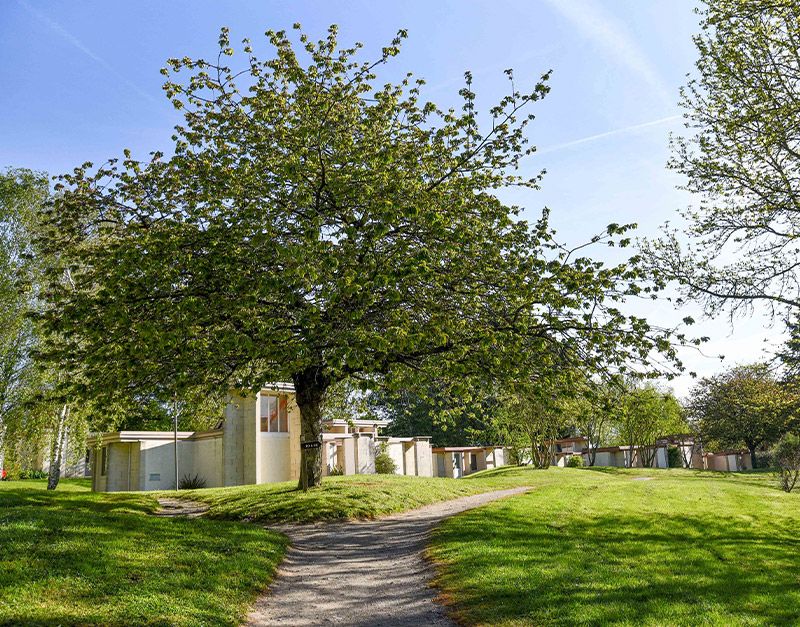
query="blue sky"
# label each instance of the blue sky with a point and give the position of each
(81, 82)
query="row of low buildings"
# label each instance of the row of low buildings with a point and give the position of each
(258, 441)
(690, 454)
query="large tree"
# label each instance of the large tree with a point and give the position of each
(312, 225)
(741, 159)
(744, 405)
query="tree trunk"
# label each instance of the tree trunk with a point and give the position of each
(592, 454)
(57, 449)
(752, 449)
(310, 386)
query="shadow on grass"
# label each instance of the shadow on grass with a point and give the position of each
(544, 560)
(73, 558)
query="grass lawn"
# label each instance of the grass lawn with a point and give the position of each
(73, 557)
(355, 496)
(604, 546)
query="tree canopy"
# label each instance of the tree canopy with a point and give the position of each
(741, 159)
(312, 225)
(743, 406)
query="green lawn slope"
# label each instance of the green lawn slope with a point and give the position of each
(627, 547)
(354, 496)
(71, 557)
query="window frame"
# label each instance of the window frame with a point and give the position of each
(280, 418)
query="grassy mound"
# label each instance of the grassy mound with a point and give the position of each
(630, 547)
(73, 557)
(354, 496)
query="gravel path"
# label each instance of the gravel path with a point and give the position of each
(360, 574)
(172, 508)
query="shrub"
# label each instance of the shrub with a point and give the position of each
(195, 482)
(674, 458)
(576, 461)
(336, 471)
(787, 458)
(384, 465)
(32, 474)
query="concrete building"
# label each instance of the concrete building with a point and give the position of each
(459, 461)
(728, 461)
(258, 442)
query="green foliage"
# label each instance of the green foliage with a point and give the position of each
(191, 482)
(674, 458)
(575, 461)
(449, 422)
(312, 224)
(787, 458)
(384, 464)
(534, 412)
(741, 161)
(743, 406)
(642, 415)
(22, 192)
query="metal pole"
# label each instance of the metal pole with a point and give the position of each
(175, 439)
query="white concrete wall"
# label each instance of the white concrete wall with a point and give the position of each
(395, 450)
(206, 461)
(424, 458)
(366, 454)
(275, 458)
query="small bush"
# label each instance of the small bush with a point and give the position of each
(32, 474)
(336, 471)
(195, 482)
(674, 457)
(576, 461)
(384, 465)
(787, 458)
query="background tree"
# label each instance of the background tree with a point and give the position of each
(642, 415)
(745, 405)
(449, 423)
(787, 458)
(742, 160)
(590, 412)
(536, 409)
(311, 226)
(21, 192)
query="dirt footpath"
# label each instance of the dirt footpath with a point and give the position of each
(362, 573)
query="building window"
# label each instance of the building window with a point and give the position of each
(274, 414)
(104, 461)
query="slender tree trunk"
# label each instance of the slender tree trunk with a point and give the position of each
(310, 386)
(57, 449)
(752, 448)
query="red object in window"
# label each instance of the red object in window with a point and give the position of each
(3, 474)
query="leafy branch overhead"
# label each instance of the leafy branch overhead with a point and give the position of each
(741, 159)
(313, 224)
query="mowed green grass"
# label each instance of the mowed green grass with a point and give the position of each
(355, 496)
(71, 557)
(604, 546)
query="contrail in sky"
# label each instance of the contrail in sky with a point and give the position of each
(612, 36)
(77, 43)
(616, 131)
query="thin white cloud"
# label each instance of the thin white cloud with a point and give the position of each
(611, 133)
(613, 38)
(77, 43)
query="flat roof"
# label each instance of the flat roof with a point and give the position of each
(139, 436)
(359, 422)
(461, 449)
